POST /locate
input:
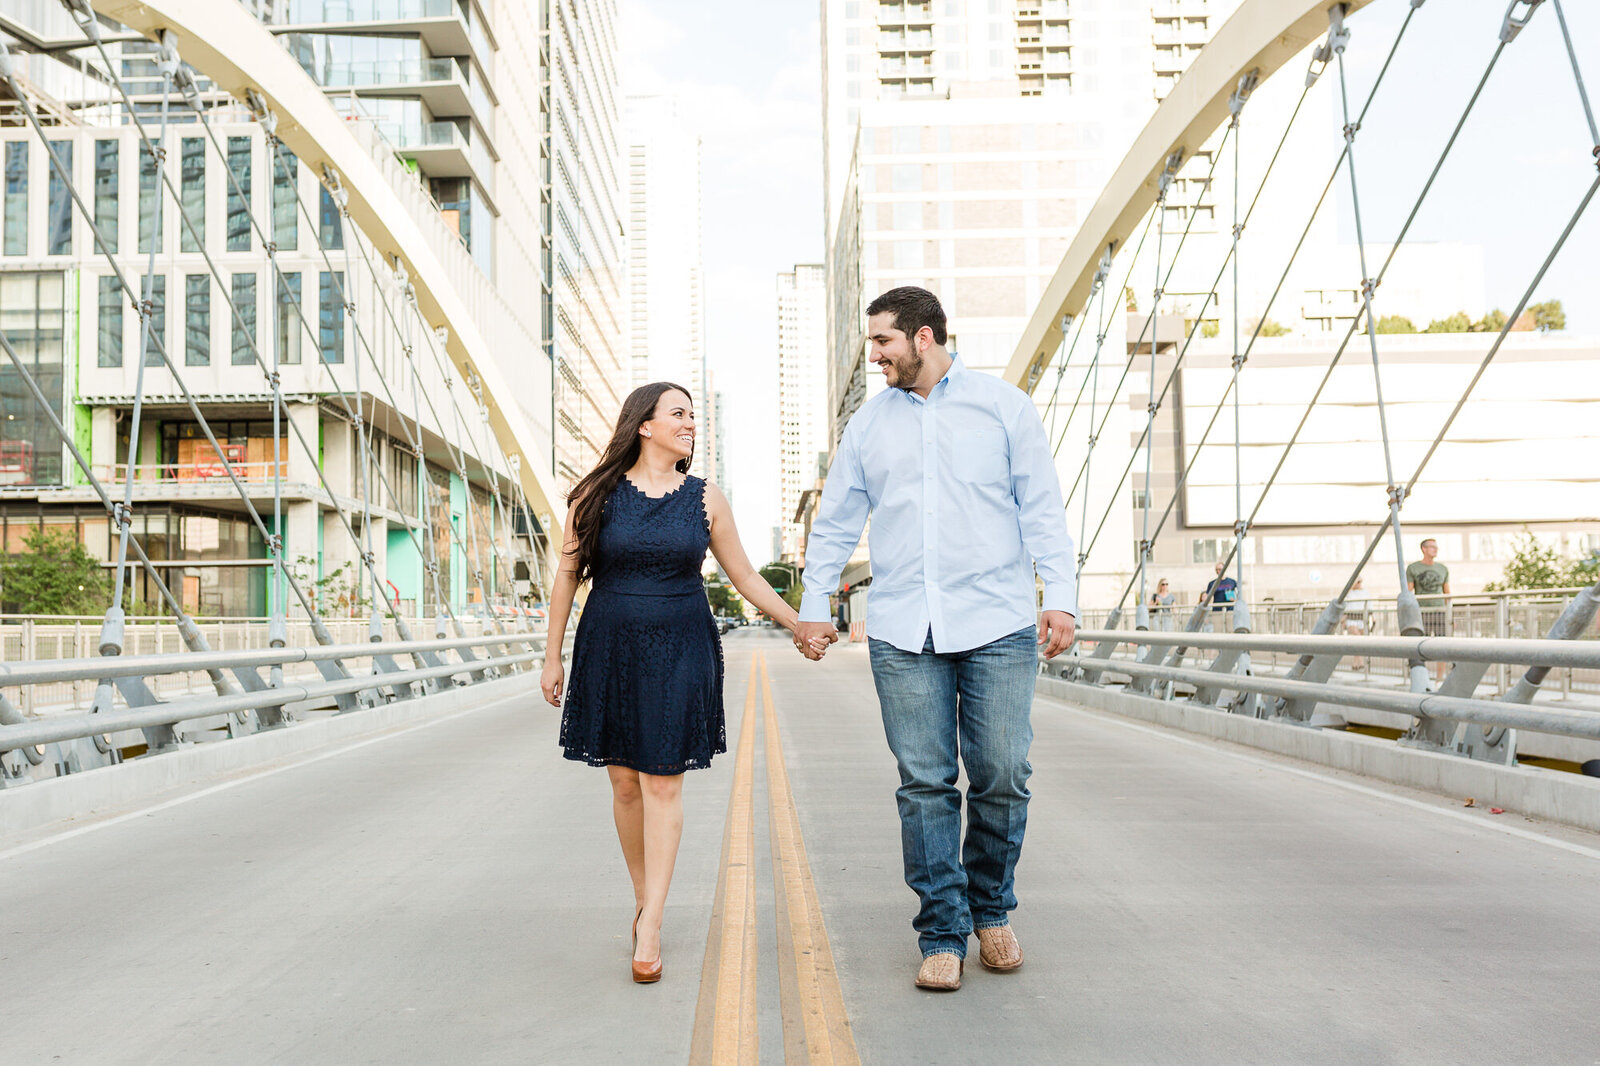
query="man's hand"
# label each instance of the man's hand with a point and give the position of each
(1057, 629)
(813, 638)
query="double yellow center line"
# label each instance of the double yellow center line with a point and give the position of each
(816, 1028)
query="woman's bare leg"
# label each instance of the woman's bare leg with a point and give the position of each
(663, 827)
(627, 809)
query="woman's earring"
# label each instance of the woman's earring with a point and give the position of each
(647, 432)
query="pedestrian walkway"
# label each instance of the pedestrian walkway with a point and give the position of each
(454, 892)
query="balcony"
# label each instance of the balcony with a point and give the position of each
(445, 150)
(913, 14)
(442, 84)
(443, 27)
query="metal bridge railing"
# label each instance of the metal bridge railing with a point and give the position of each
(82, 739)
(1507, 615)
(1285, 676)
(28, 639)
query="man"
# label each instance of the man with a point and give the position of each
(956, 472)
(1431, 583)
(1220, 593)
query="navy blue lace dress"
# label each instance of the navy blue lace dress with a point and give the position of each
(646, 685)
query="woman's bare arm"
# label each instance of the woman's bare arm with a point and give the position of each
(730, 555)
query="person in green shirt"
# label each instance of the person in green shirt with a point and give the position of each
(1430, 581)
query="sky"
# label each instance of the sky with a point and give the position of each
(1516, 175)
(759, 113)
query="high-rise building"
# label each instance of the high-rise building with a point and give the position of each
(665, 269)
(964, 142)
(584, 268)
(447, 100)
(802, 392)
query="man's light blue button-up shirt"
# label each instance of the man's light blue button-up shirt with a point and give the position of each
(965, 505)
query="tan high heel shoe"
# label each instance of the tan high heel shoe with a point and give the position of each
(644, 973)
(647, 973)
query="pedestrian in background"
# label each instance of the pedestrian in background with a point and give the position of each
(1430, 580)
(1161, 601)
(645, 698)
(1355, 618)
(955, 470)
(1219, 592)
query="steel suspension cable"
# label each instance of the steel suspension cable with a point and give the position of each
(1174, 162)
(1083, 319)
(1477, 376)
(1410, 613)
(91, 29)
(1577, 77)
(193, 638)
(1312, 75)
(1094, 371)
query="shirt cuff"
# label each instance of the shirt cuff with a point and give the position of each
(814, 607)
(1057, 599)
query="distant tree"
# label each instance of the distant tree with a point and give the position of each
(1586, 571)
(1395, 324)
(1269, 328)
(1130, 302)
(785, 580)
(1538, 566)
(1548, 316)
(53, 575)
(1493, 322)
(1210, 328)
(722, 597)
(1459, 322)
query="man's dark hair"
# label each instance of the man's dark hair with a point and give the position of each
(913, 308)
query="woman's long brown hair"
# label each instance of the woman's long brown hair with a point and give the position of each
(586, 502)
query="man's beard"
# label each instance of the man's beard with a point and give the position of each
(907, 373)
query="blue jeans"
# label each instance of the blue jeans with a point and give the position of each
(972, 704)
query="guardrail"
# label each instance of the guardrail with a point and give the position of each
(1490, 615)
(246, 703)
(1455, 717)
(31, 638)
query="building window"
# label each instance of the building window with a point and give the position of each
(16, 222)
(197, 319)
(106, 183)
(285, 233)
(239, 199)
(288, 318)
(33, 314)
(243, 288)
(149, 201)
(58, 219)
(330, 228)
(157, 338)
(192, 183)
(330, 315)
(110, 332)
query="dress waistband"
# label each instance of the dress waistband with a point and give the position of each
(658, 593)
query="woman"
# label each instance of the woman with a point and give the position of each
(645, 697)
(1161, 605)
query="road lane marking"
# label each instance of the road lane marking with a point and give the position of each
(725, 1025)
(1219, 748)
(808, 982)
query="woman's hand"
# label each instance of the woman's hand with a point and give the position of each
(550, 681)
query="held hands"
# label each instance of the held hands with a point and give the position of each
(1057, 629)
(811, 639)
(550, 681)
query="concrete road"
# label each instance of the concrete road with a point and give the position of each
(454, 893)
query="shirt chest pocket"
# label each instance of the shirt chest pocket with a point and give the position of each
(981, 456)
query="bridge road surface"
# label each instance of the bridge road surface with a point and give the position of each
(453, 893)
